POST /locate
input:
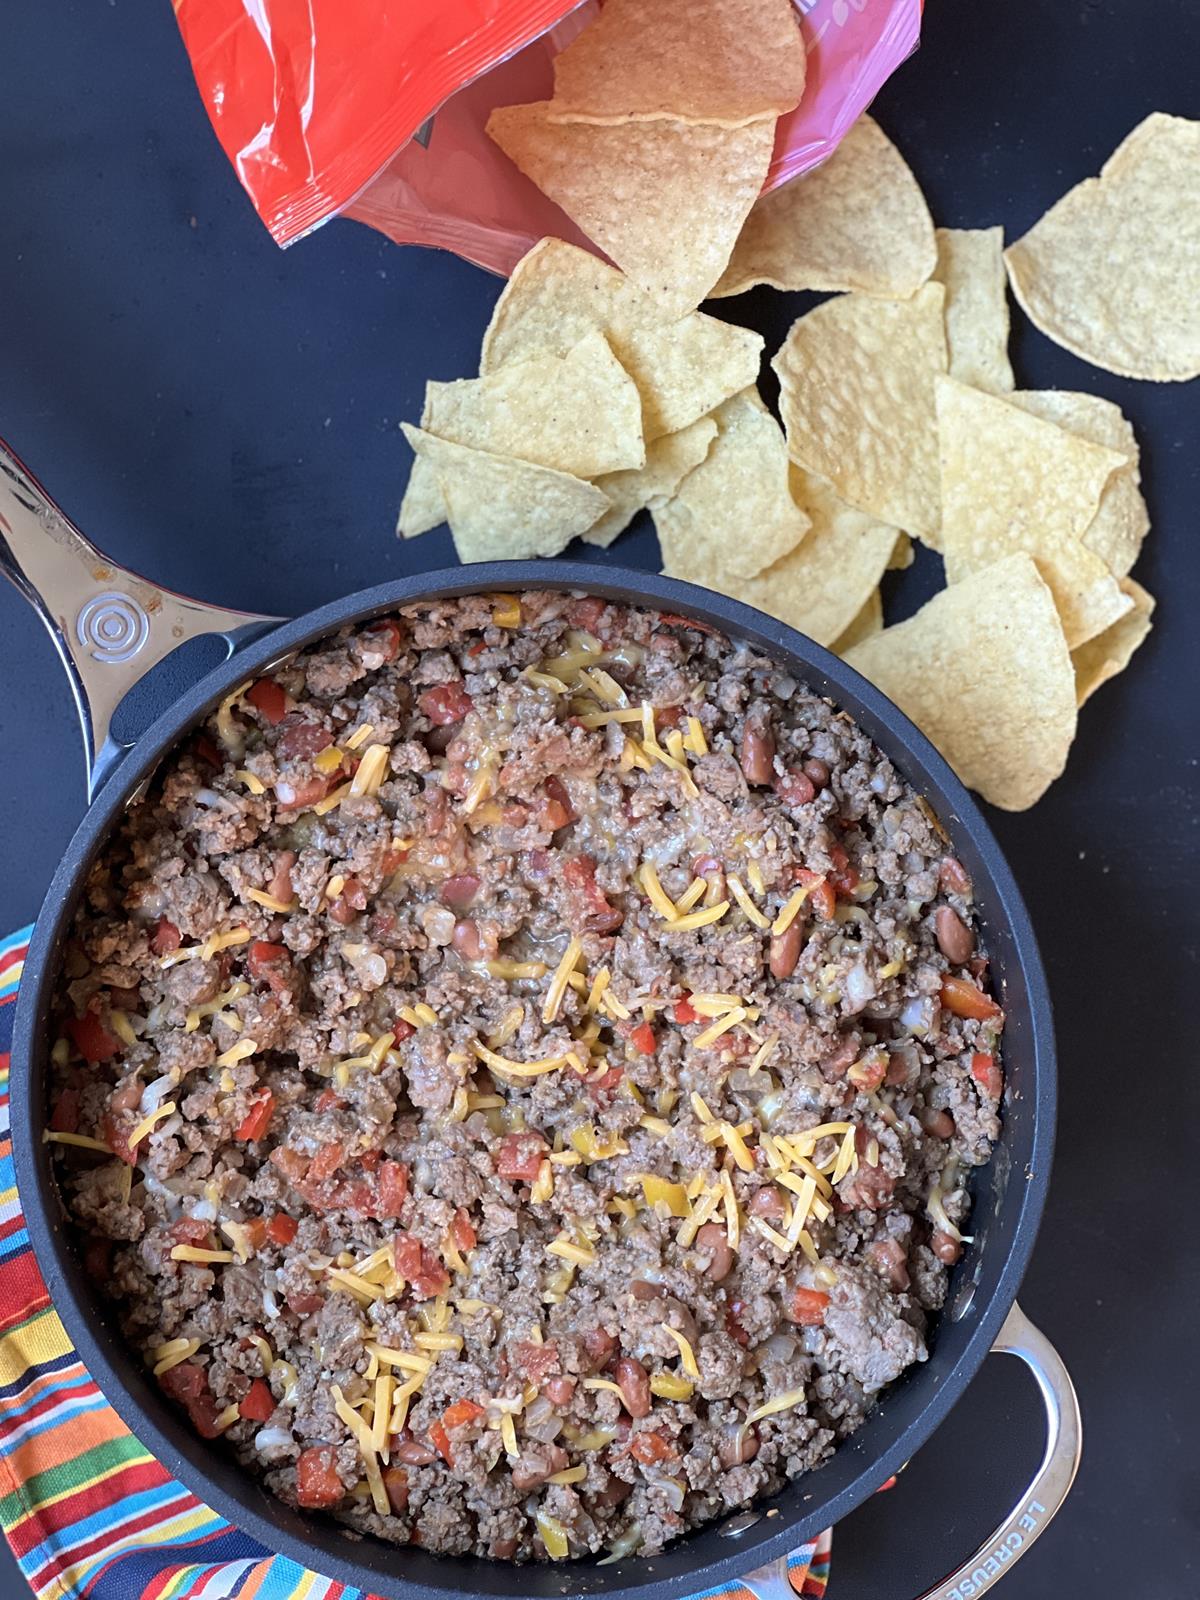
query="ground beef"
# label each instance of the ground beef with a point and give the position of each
(617, 1253)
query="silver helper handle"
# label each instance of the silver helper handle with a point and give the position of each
(108, 625)
(1032, 1512)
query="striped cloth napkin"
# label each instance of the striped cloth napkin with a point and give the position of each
(88, 1513)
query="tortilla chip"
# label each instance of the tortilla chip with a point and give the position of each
(1013, 482)
(866, 624)
(856, 383)
(1110, 652)
(578, 413)
(1121, 522)
(970, 267)
(682, 369)
(668, 461)
(903, 555)
(724, 61)
(984, 671)
(422, 507)
(500, 508)
(1112, 272)
(820, 586)
(666, 200)
(735, 511)
(858, 221)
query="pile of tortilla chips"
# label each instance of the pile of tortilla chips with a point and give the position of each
(900, 421)
(660, 132)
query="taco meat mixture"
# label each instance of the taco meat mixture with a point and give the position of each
(516, 1073)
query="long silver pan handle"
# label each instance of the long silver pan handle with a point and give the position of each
(108, 625)
(1033, 1511)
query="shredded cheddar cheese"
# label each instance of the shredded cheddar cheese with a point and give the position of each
(192, 1252)
(655, 893)
(686, 1354)
(745, 903)
(694, 892)
(80, 1141)
(562, 976)
(251, 780)
(781, 1402)
(237, 1052)
(149, 1123)
(705, 1040)
(699, 919)
(172, 1353)
(261, 898)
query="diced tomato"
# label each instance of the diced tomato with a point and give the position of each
(586, 612)
(446, 703)
(256, 1232)
(383, 638)
(395, 1483)
(424, 1273)
(963, 999)
(391, 859)
(407, 1253)
(821, 898)
(301, 737)
(402, 1030)
(280, 886)
(326, 1100)
(600, 916)
(346, 906)
(391, 1189)
(533, 1361)
(477, 648)
(258, 1403)
(557, 810)
(985, 1069)
(650, 1448)
(326, 1162)
(207, 751)
(65, 1116)
(460, 890)
(794, 787)
(290, 1162)
(317, 1483)
(293, 794)
(520, 1155)
(91, 1038)
(808, 1307)
(684, 1011)
(599, 1346)
(165, 938)
(190, 1230)
(256, 1121)
(440, 1440)
(272, 963)
(116, 1137)
(305, 1305)
(460, 1413)
(845, 878)
(604, 1087)
(268, 698)
(282, 1229)
(188, 1384)
(642, 1039)
(733, 1325)
(462, 1232)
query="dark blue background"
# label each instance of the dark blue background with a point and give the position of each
(223, 416)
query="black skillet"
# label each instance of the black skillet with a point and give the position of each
(110, 628)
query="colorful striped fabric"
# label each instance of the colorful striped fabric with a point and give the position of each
(88, 1513)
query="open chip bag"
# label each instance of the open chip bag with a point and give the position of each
(344, 107)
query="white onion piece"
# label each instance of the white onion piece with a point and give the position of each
(917, 1014)
(170, 1126)
(155, 1093)
(369, 966)
(770, 1106)
(272, 1439)
(203, 1211)
(859, 986)
(673, 1492)
(783, 1346)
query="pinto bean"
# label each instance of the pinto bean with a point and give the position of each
(768, 1203)
(531, 1472)
(939, 1123)
(614, 1492)
(955, 939)
(502, 1549)
(559, 1390)
(737, 1446)
(945, 1247)
(890, 1258)
(785, 949)
(954, 877)
(644, 1290)
(713, 1239)
(415, 1454)
(817, 772)
(758, 751)
(466, 941)
(630, 1377)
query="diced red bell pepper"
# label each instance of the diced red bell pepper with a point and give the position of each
(446, 703)
(65, 1116)
(684, 1011)
(650, 1448)
(462, 1232)
(985, 1069)
(317, 1483)
(440, 1440)
(258, 1403)
(808, 1307)
(268, 698)
(256, 1121)
(520, 1155)
(91, 1038)
(642, 1039)
(963, 999)
(282, 1229)
(460, 1413)
(165, 938)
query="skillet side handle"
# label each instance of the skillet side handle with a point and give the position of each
(1033, 1512)
(108, 625)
